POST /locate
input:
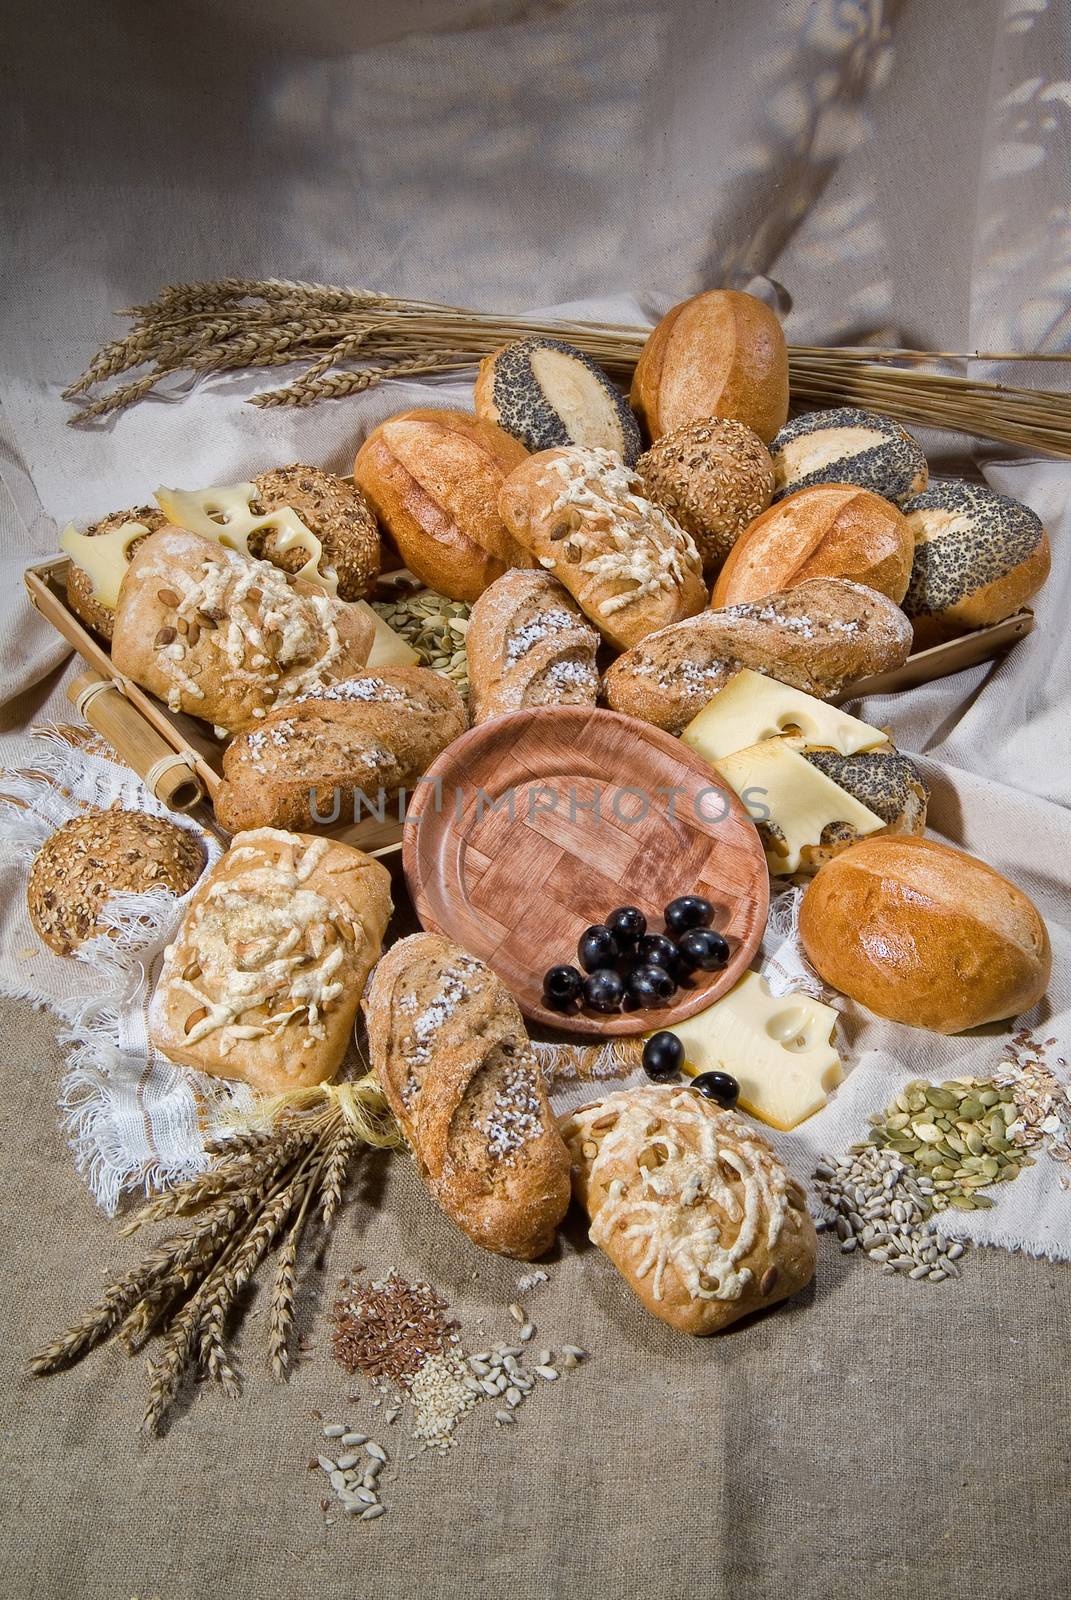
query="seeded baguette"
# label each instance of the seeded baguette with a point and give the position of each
(265, 975)
(819, 637)
(376, 732)
(451, 1053)
(225, 638)
(529, 645)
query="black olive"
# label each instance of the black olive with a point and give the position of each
(604, 990)
(663, 1056)
(597, 948)
(627, 924)
(562, 986)
(656, 950)
(701, 947)
(719, 1086)
(688, 911)
(651, 985)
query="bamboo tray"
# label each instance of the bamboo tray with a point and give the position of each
(182, 762)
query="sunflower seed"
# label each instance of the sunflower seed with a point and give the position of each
(372, 1512)
(326, 1463)
(377, 1452)
(547, 1372)
(505, 1416)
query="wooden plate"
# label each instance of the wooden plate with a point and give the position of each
(531, 827)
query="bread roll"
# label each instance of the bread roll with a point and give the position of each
(433, 479)
(81, 596)
(582, 514)
(849, 446)
(225, 638)
(332, 509)
(547, 393)
(374, 734)
(529, 645)
(720, 354)
(691, 1205)
(978, 557)
(819, 637)
(100, 854)
(883, 780)
(713, 478)
(263, 981)
(831, 531)
(924, 934)
(450, 1050)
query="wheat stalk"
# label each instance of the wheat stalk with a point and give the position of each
(353, 339)
(287, 1166)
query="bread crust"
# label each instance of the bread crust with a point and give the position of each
(528, 645)
(80, 596)
(829, 531)
(332, 509)
(291, 923)
(722, 354)
(925, 934)
(377, 732)
(433, 478)
(450, 1050)
(818, 637)
(224, 638)
(584, 517)
(691, 1205)
(714, 477)
(991, 603)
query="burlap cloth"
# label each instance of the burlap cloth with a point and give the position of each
(874, 1438)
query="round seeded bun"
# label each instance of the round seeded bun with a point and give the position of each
(848, 445)
(97, 855)
(713, 477)
(925, 934)
(547, 393)
(80, 595)
(335, 511)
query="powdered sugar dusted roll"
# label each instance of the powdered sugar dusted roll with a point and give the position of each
(529, 645)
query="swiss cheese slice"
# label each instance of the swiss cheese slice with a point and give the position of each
(103, 557)
(389, 649)
(752, 708)
(226, 515)
(779, 1050)
(779, 786)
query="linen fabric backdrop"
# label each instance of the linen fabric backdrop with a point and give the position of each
(894, 172)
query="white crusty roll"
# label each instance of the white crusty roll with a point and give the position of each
(925, 934)
(373, 734)
(450, 1050)
(226, 638)
(819, 637)
(691, 1205)
(584, 517)
(528, 645)
(264, 978)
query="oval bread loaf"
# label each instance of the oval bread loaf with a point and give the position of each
(831, 531)
(720, 354)
(547, 393)
(433, 479)
(924, 934)
(849, 446)
(450, 1050)
(373, 735)
(819, 637)
(528, 644)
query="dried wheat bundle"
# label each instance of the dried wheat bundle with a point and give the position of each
(352, 339)
(268, 1183)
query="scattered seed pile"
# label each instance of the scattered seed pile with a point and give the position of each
(880, 1203)
(1042, 1098)
(959, 1133)
(402, 1337)
(434, 627)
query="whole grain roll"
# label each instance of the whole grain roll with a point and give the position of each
(713, 478)
(100, 854)
(720, 354)
(977, 557)
(433, 479)
(547, 393)
(332, 509)
(833, 530)
(80, 594)
(924, 934)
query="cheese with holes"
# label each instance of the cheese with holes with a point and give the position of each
(389, 649)
(779, 1050)
(781, 788)
(752, 708)
(226, 515)
(103, 557)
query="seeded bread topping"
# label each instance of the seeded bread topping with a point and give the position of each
(548, 393)
(690, 1187)
(966, 536)
(713, 478)
(848, 445)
